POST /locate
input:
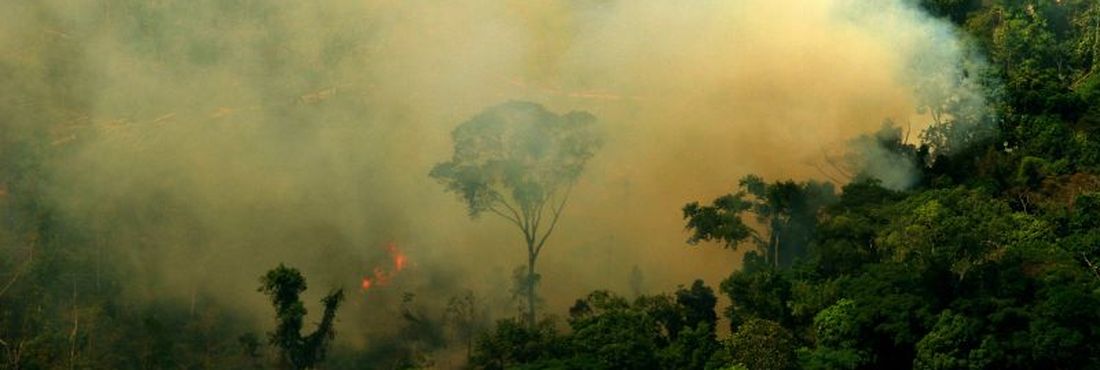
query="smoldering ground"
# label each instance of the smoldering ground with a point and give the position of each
(196, 144)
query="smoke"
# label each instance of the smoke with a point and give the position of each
(199, 143)
(884, 156)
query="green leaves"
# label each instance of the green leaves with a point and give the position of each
(283, 285)
(787, 209)
(513, 342)
(959, 229)
(721, 221)
(762, 294)
(762, 344)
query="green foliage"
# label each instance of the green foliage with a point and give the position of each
(513, 342)
(761, 294)
(845, 239)
(957, 230)
(947, 345)
(762, 344)
(617, 338)
(698, 303)
(786, 208)
(610, 332)
(693, 348)
(1083, 240)
(955, 10)
(985, 255)
(835, 325)
(721, 221)
(284, 285)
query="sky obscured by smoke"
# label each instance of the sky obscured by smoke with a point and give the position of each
(201, 142)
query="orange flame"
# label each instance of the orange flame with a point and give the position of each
(399, 258)
(381, 276)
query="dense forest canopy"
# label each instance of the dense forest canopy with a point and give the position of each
(827, 184)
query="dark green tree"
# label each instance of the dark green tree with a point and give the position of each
(284, 285)
(698, 302)
(513, 342)
(787, 209)
(762, 344)
(519, 161)
(835, 332)
(616, 336)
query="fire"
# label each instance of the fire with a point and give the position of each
(399, 258)
(381, 276)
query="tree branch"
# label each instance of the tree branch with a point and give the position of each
(835, 166)
(505, 216)
(509, 206)
(519, 221)
(554, 220)
(538, 212)
(19, 271)
(825, 173)
(515, 218)
(1092, 267)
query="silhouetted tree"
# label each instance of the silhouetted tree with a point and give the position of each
(787, 209)
(519, 161)
(698, 302)
(284, 285)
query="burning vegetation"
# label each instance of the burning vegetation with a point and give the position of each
(584, 184)
(382, 275)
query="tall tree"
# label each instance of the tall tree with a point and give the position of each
(519, 161)
(284, 285)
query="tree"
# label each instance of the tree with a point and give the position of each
(948, 344)
(617, 337)
(662, 331)
(519, 161)
(698, 301)
(466, 318)
(836, 335)
(762, 294)
(284, 285)
(787, 209)
(1084, 226)
(512, 342)
(762, 344)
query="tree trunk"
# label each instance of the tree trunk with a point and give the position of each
(530, 289)
(469, 347)
(775, 247)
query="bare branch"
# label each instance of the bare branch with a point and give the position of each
(538, 211)
(505, 216)
(19, 271)
(516, 218)
(835, 166)
(554, 220)
(1095, 269)
(528, 220)
(825, 173)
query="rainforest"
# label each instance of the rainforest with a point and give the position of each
(574, 184)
